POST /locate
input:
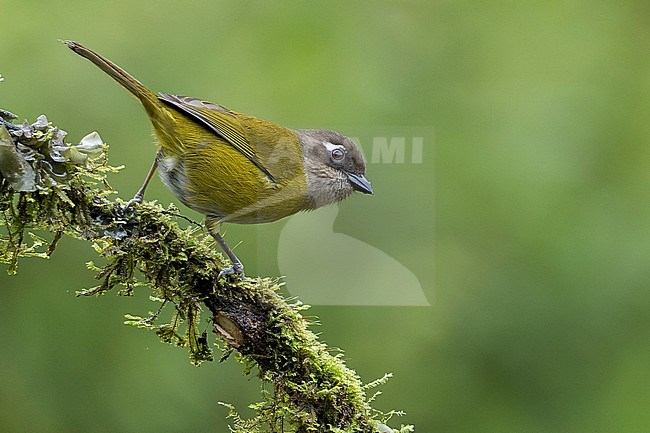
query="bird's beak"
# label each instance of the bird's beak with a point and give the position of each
(360, 183)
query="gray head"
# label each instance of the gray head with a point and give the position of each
(334, 165)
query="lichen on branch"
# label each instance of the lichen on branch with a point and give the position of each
(48, 186)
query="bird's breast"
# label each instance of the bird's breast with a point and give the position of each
(231, 188)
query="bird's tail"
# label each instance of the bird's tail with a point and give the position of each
(146, 96)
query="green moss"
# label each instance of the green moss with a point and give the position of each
(48, 185)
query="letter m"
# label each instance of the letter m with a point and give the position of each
(387, 152)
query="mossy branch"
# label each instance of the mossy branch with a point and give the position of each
(48, 185)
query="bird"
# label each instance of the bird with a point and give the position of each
(237, 168)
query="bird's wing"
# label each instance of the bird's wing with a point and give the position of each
(218, 120)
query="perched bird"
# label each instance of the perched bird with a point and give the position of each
(237, 168)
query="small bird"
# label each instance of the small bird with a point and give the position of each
(237, 168)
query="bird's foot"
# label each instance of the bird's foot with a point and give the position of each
(137, 199)
(235, 269)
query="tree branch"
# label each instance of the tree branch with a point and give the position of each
(49, 185)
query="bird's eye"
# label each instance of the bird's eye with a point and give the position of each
(338, 154)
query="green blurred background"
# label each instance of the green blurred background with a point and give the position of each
(534, 257)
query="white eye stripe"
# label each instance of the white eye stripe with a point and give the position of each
(330, 146)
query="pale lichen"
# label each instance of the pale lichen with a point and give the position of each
(49, 186)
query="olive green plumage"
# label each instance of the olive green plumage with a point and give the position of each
(233, 167)
(245, 170)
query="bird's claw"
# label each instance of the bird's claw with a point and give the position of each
(235, 269)
(137, 199)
